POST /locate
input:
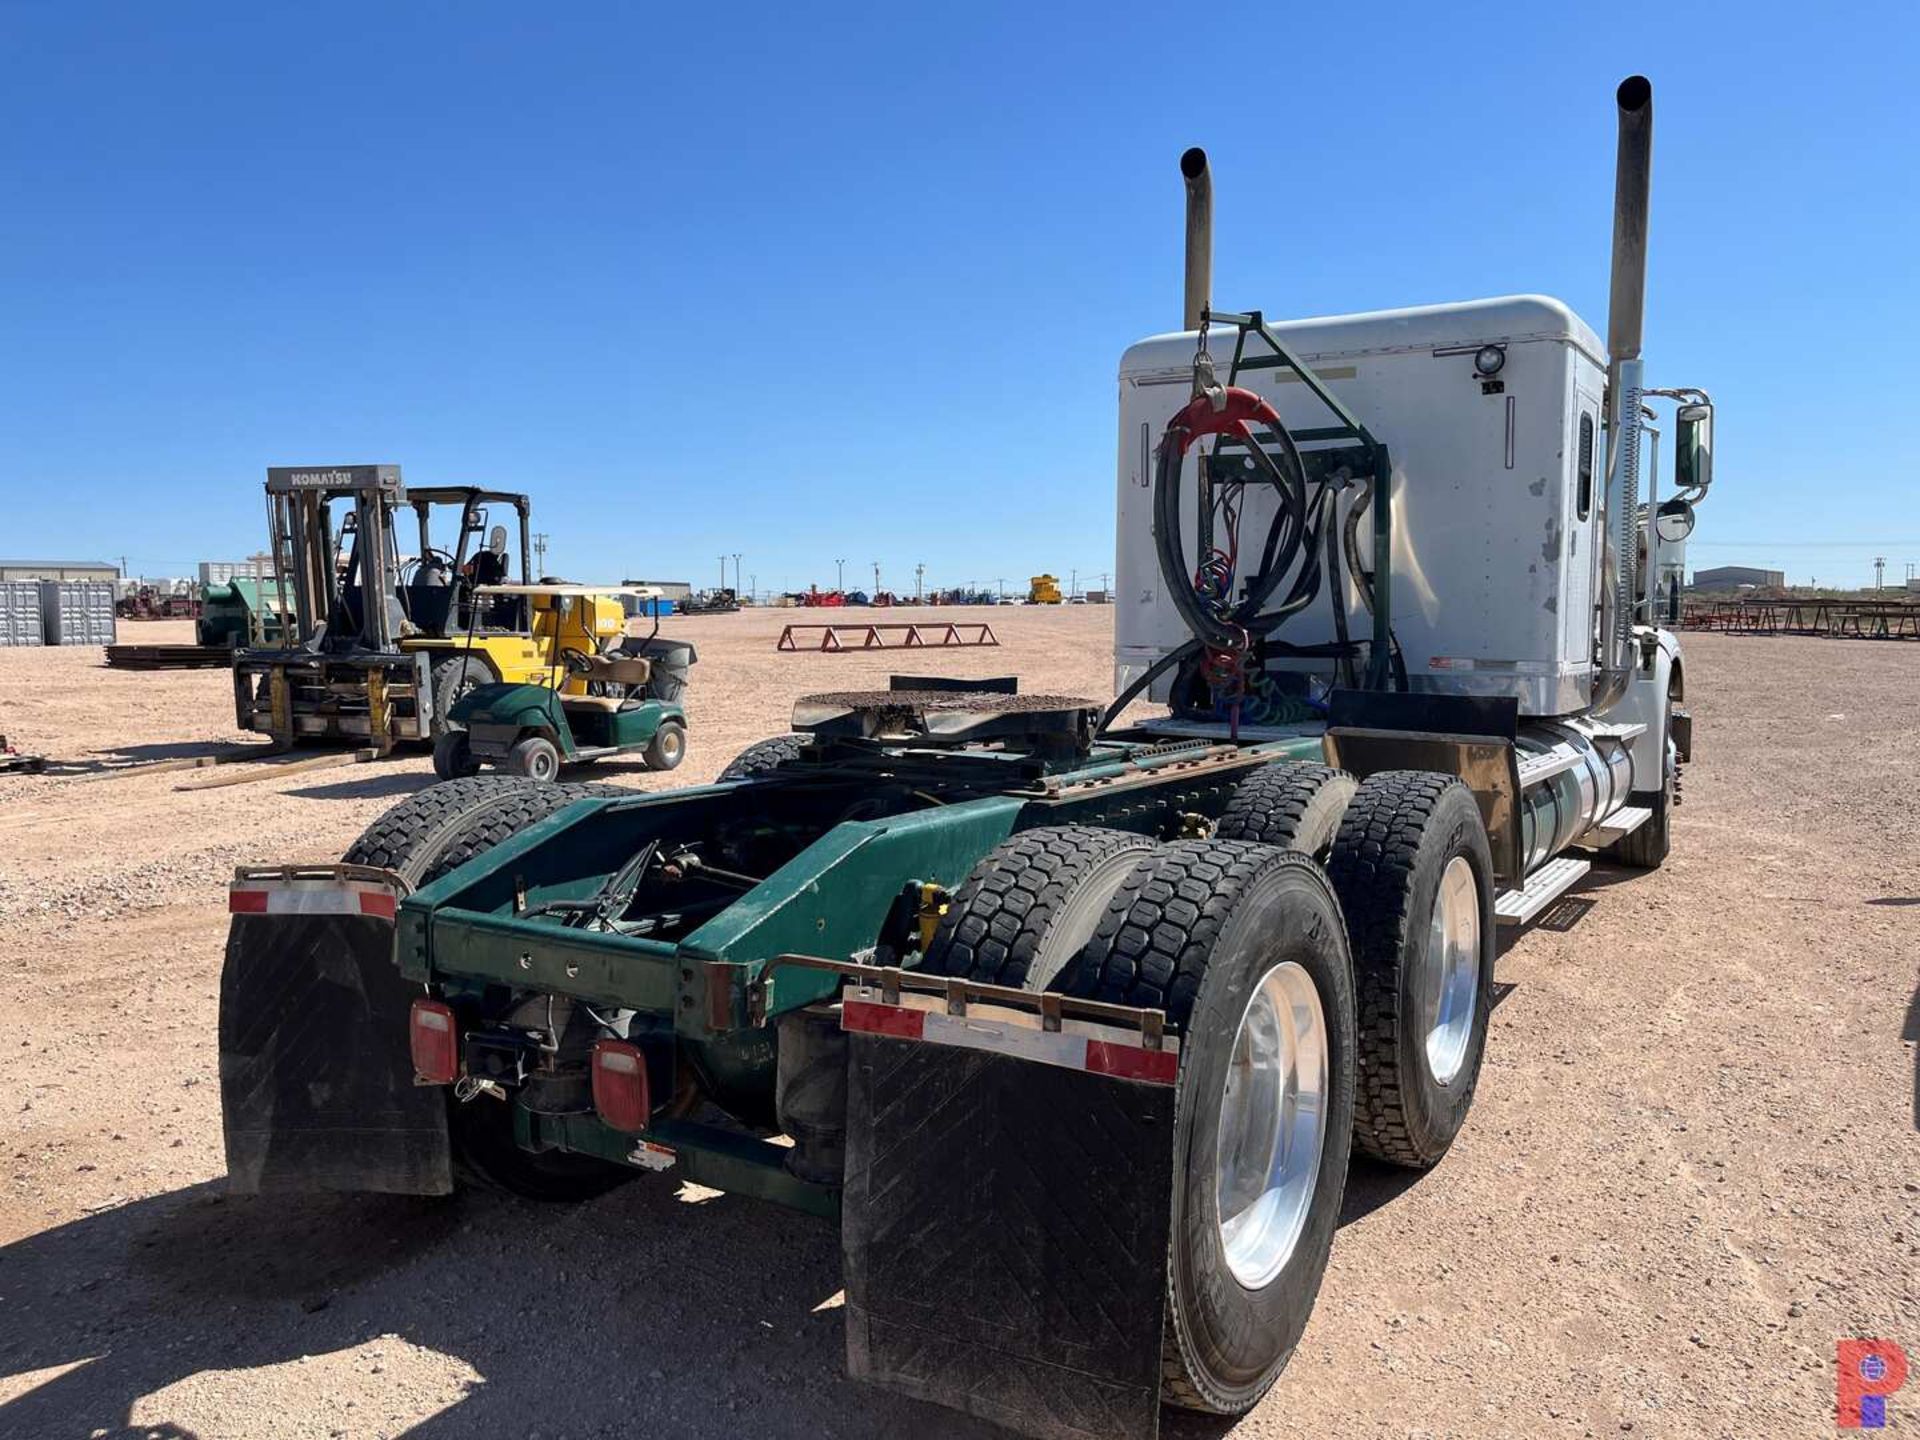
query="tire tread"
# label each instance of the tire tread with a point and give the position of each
(1270, 804)
(1152, 949)
(1372, 868)
(763, 756)
(999, 916)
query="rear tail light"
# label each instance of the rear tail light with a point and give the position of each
(620, 1085)
(434, 1037)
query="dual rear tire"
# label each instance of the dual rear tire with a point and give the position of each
(424, 837)
(1330, 984)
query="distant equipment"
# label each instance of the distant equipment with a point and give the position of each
(1044, 590)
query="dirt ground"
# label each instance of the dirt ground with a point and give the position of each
(1692, 1166)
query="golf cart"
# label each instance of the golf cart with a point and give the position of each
(621, 700)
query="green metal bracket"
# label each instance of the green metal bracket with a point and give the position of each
(721, 1159)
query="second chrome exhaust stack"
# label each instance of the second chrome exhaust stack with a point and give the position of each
(1626, 314)
(1199, 288)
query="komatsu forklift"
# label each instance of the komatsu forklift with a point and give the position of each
(381, 647)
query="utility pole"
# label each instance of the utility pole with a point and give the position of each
(1879, 572)
(876, 579)
(540, 551)
(1073, 583)
(841, 584)
(753, 583)
(1000, 587)
(736, 573)
(920, 581)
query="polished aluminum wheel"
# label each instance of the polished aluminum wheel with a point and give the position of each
(1449, 983)
(1273, 1124)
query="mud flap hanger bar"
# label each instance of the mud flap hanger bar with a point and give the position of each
(890, 980)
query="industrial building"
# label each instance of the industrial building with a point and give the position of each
(678, 591)
(1732, 577)
(58, 570)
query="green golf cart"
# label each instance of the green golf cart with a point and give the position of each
(595, 702)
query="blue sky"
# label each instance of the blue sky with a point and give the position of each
(813, 282)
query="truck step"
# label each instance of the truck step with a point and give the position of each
(1543, 887)
(1622, 822)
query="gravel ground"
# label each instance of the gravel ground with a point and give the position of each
(1692, 1166)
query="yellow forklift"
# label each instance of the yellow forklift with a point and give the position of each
(381, 647)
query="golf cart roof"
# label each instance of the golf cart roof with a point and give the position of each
(645, 592)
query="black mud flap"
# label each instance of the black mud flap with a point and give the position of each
(1005, 1219)
(316, 1076)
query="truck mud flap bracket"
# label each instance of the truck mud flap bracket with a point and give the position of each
(1009, 1187)
(316, 1077)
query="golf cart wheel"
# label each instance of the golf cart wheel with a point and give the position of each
(668, 747)
(453, 756)
(1244, 948)
(1031, 904)
(1292, 805)
(1414, 873)
(535, 758)
(763, 756)
(452, 678)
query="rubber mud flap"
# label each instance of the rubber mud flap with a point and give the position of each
(1005, 1229)
(316, 1076)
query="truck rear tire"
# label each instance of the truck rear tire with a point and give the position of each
(762, 756)
(479, 830)
(395, 840)
(1293, 805)
(1032, 903)
(1414, 873)
(486, 1155)
(423, 841)
(1244, 947)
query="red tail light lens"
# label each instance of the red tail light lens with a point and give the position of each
(620, 1085)
(434, 1037)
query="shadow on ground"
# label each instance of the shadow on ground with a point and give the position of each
(642, 1312)
(131, 758)
(385, 784)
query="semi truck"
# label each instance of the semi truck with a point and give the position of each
(1068, 1015)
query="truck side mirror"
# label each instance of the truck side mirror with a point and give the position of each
(1673, 521)
(1693, 447)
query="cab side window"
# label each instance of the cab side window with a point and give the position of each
(1584, 471)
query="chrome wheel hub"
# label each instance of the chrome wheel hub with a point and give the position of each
(1273, 1125)
(1449, 985)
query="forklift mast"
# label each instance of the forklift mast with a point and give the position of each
(355, 603)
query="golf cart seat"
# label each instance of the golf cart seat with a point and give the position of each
(577, 704)
(631, 671)
(620, 669)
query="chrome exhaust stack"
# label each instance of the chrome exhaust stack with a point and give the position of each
(1626, 315)
(1199, 287)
